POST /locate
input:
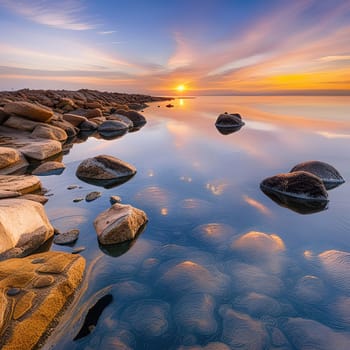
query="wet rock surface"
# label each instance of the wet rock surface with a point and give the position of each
(228, 123)
(326, 172)
(49, 168)
(119, 223)
(68, 237)
(105, 170)
(20, 183)
(44, 285)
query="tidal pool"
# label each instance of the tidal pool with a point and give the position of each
(220, 265)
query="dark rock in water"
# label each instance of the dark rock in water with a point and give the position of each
(113, 126)
(298, 205)
(121, 118)
(115, 199)
(67, 237)
(169, 105)
(328, 174)
(106, 171)
(92, 196)
(300, 184)
(137, 118)
(78, 250)
(229, 123)
(88, 126)
(78, 199)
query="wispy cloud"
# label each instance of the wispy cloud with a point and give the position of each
(107, 32)
(66, 14)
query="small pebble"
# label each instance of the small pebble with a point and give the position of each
(79, 199)
(115, 199)
(72, 187)
(78, 250)
(13, 291)
(92, 196)
(67, 237)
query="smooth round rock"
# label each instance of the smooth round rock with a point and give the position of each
(92, 196)
(231, 122)
(326, 172)
(29, 110)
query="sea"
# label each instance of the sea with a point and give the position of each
(220, 265)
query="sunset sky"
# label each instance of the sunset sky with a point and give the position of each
(212, 47)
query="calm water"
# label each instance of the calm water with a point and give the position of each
(199, 274)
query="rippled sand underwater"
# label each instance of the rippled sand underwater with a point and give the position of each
(220, 265)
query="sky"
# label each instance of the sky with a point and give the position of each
(211, 47)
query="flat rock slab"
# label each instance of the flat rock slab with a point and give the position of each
(34, 291)
(67, 237)
(8, 194)
(49, 168)
(49, 132)
(24, 227)
(35, 198)
(119, 223)
(105, 171)
(41, 150)
(326, 172)
(29, 110)
(20, 183)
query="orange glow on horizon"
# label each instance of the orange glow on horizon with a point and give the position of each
(181, 88)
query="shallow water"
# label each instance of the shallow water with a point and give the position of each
(198, 276)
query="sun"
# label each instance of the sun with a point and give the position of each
(180, 88)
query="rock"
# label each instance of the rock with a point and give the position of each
(29, 110)
(113, 127)
(67, 237)
(20, 123)
(35, 197)
(121, 118)
(93, 113)
(299, 184)
(3, 115)
(137, 106)
(19, 183)
(137, 118)
(88, 126)
(72, 187)
(49, 132)
(74, 119)
(78, 199)
(115, 199)
(24, 227)
(93, 105)
(169, 105)
(8, 194)
(78, 250)
(8, 156)
(92, 196)
(49, 168)
(66, 126)
(328, 174)
(105, 171)
(41, 150)
(241, 331)
(228, 123)
(27, 318)
(119, 223)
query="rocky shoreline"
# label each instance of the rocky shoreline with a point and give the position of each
(37, 127)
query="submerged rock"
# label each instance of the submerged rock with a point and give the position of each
(24, 227)
(46, 283)
(29, 110)
(105, 170)
(119, 223)
(300, 184)
(229, 123)
(328, 174)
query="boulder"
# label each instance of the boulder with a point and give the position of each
(8, 194)
(29, 110)
(24, 227)
(228, 123)
(112, 128)
(88, 126)
(119, 223)
(92, 105)
(8, 156)
(105, 170)
(121, 118)
(74, 119)
(137, 118)
(20, 183)
(328, 174)
(49, 132)
(93, 113)
(20, 123)
(3, 115)
(34, 292)
(49, 168)
(35, 197)
(66, 126)
(300, 184)
(41, 150)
